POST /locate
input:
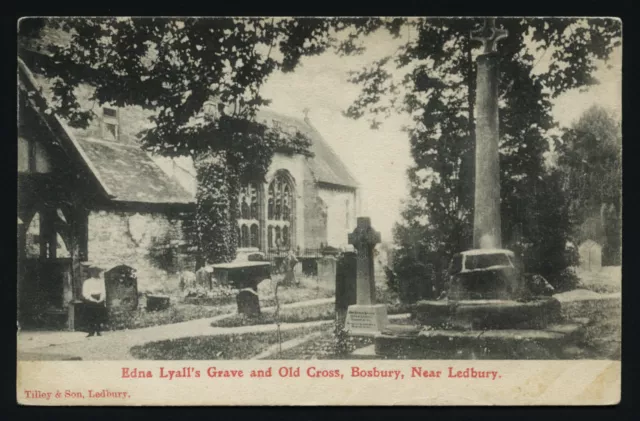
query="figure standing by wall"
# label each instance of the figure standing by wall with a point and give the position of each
(94, 294)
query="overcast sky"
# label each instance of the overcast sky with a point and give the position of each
(379, 158)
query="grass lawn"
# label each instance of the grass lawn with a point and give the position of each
(309, 313)
(323, 348)
(217, 347)
(309, 288)
(178, 312)
(306, 314)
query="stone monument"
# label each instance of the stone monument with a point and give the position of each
(486, 218)
(487, 311)
(365, 317)
(121, 287)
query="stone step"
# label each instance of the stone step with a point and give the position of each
(480, 344)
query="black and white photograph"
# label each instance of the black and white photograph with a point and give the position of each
(299, 188)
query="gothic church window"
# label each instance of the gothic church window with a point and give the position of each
(280, 212)
(248, 224)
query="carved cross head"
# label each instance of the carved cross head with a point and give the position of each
(489, 35)
(364, 235)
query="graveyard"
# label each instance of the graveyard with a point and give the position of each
(259, 279)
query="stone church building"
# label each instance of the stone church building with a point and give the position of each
(93, 194)
(306, 203)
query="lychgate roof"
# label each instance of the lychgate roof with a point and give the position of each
(125, 172)
(131, 175)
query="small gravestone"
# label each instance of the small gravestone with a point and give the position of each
(248, 302)
(203, 277)
(327, 269)
(590, 256)
(121, 287)
(157, 302)
(187, 280)
(365, 317)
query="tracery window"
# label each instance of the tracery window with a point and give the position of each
(279, 212)
(248, 223)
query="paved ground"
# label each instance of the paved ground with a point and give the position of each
(116, 345)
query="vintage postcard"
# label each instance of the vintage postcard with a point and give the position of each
(319, 211)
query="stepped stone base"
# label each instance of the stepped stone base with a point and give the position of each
(488, 314)
(408, 342)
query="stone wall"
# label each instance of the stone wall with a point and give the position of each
(154, 244)
(341, 218)
(315, 214)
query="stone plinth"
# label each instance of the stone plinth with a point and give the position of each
(552, 342)
(488, 314)
(366, 319)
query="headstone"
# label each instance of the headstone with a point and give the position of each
(590, 254)
(346, 274)
(248, 302)
(365, 317)
(157, 302)
(486, 218)
(203, 277)
(187, 280)
(327, 269)
(121, 287)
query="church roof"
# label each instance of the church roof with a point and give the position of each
(125, 172)
(326, 165)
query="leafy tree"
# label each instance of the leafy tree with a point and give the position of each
(172, 67)
(432, 78)
(592, 161)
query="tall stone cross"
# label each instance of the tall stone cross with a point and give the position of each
(487, 232)
(489, 35)
(364, 238)
(365, 317)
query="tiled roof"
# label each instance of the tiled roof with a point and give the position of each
(125, 172)
(131, 175)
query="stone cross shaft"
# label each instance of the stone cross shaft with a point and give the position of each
(487, 231)
(364, 238)
(489, 35)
